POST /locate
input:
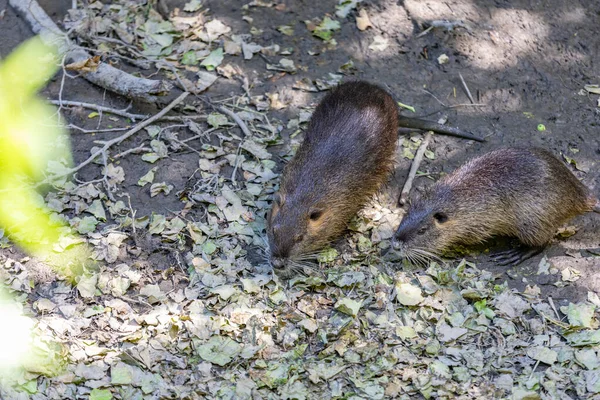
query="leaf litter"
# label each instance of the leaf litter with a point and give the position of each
(213, 322)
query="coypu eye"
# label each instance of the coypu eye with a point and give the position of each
(422, 230)
(298, 238)
(440, 217)
(315, 215)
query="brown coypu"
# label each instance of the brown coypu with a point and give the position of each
(347, 154)
(513, 192)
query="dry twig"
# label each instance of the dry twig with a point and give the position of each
(237, 120)
(414, 168)
(446, 24)
(123, 113)
(127, 134)
(466, 88)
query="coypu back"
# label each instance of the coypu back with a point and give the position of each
(517, 192)
(347, 154)
(348, 136)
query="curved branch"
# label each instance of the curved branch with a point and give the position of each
(105, 76)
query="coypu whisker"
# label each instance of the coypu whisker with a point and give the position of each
(297, 269)
(428, 254)
(304, 262)
(262, 252)
(297, 264)
(419, 259)
(312, 256)
(410, 256)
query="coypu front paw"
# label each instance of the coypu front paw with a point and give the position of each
(516, 256)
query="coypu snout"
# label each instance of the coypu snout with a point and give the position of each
(277, 262)
(294, 231)
(419, 236)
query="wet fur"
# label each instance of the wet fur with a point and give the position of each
(347, 154)
(522, 193)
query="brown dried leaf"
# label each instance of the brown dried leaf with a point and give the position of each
(85, 66)
(363, 21)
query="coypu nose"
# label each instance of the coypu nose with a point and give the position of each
(397, 243)
(277, 262)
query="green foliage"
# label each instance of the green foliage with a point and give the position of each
(30, 140)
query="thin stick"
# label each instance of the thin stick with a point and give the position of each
(553, 307)
(127, 134)
(200, 135)
(466, 88)
(237, 120)
(237, 162)
(124, 113)
(435, 97)
(96, 107)
(534, 368)
(425, 32)
(413, 169)
(71, 126)
(138, 149)
(451, 106)
(448, 25)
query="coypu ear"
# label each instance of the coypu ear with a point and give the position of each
(277, 201)
(278, 198)
(440, 217)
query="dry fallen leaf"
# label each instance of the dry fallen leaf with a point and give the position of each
(363, 21)
(380, 43)
(276, 104)
(84, 66)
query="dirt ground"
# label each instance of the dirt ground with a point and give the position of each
(526, 61)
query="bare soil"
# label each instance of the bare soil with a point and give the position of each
(526, 60)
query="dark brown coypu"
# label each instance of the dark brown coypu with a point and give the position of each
(514, 192)
(347, 154)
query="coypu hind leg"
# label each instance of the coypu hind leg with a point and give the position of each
(533, 232)
(516, 256)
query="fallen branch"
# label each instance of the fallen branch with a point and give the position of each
(105, 76)
(413, 169)
(126, 135)
(80, 129)
(123, 113)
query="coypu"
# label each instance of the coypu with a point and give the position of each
(347, 154)
(513, 192)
